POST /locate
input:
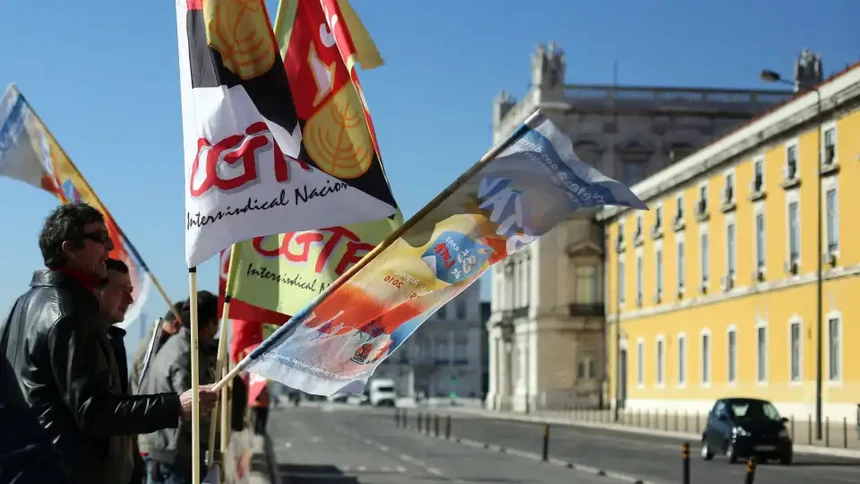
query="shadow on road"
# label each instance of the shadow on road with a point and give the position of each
(313, 474)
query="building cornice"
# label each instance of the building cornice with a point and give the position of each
(836, 92)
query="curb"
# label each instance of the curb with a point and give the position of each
(691, 436)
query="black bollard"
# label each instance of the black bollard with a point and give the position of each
(436, 425)
(397, 417)
(418, 421)
(448, 427)
(750, 471)
(427, 425)
(545, 443)
(404, 419)
(685, 463)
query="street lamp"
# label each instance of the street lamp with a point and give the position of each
(771, 76)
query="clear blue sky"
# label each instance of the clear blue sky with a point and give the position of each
(104, 77)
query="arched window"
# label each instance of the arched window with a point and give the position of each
(634, 161)
(680, 150)
(588, 151)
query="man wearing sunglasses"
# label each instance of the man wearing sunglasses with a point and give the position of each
(54, 369)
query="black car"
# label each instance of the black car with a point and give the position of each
(746, 427)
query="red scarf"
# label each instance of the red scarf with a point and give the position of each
(87, 280)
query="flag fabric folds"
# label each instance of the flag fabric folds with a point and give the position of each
(277, 275)
(260, 160)
(29, 153)
(531, 185)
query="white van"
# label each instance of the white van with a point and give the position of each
(381, 392)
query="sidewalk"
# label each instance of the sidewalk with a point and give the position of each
(837, 441)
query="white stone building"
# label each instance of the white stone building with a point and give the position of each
(443, 357)
(546, 328)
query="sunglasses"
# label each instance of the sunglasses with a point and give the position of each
(101, 236)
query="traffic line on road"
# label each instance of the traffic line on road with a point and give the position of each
(559, 462)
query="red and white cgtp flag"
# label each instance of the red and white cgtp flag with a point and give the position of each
(249, 171)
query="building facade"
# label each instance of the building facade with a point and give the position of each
(443, 357)
(546, 326)
(714, 291)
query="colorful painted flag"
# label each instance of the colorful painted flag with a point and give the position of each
(533, 183)
(29, 153)
(259, 159)
(277, 275)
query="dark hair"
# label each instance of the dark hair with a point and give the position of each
(113, 265)
(207, 309)
(178, 308)
(65, 223)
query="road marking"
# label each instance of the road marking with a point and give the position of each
(433, 471)
(383, 448)
(386, 469)
(343, 469)
(287, 444)
(401, 469)
(361, 469)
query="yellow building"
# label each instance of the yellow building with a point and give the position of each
(716, 286)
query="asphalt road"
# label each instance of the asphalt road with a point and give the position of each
(652, 458)
(347, 445)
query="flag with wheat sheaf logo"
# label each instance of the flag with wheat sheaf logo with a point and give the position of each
(259, 159)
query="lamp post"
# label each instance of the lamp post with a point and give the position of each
(771, 76)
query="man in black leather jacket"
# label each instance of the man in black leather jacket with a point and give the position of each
(115, 296)
(54, 367)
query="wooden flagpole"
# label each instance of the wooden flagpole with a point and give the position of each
(222, 356)
(195, 378)
(394, 236)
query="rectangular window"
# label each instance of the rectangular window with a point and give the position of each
(793, 232)
(832, 210)
(761, 354)
(758, 175)
(461, 351)
(703, 199)
(682, 360)
(461, 308)
(791, 162)
(640, 363)
(732, 344)
(639, 226)
(706, 359)
(834, 347)
(730, 249)
(795, 351)
(660, 362)
(658, 217)
(829, 146)
(659, 271)
(679, 208)
(760, 249)
(729, 190)
(586, 284)
(639, 276)
(681, 265)
(621, 281)
(703, 243)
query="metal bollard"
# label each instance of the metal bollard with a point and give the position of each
(404, 419)
(685, 463)
(427, 425)
(419, 419)
(448, 427)
(545, 443)
(750, 477)
(436, 425)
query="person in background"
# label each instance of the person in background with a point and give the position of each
(168, 452)
(54, 352)
(115, 296)
(169, 326)
(259, 402)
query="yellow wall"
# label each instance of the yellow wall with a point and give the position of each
(743, 306)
